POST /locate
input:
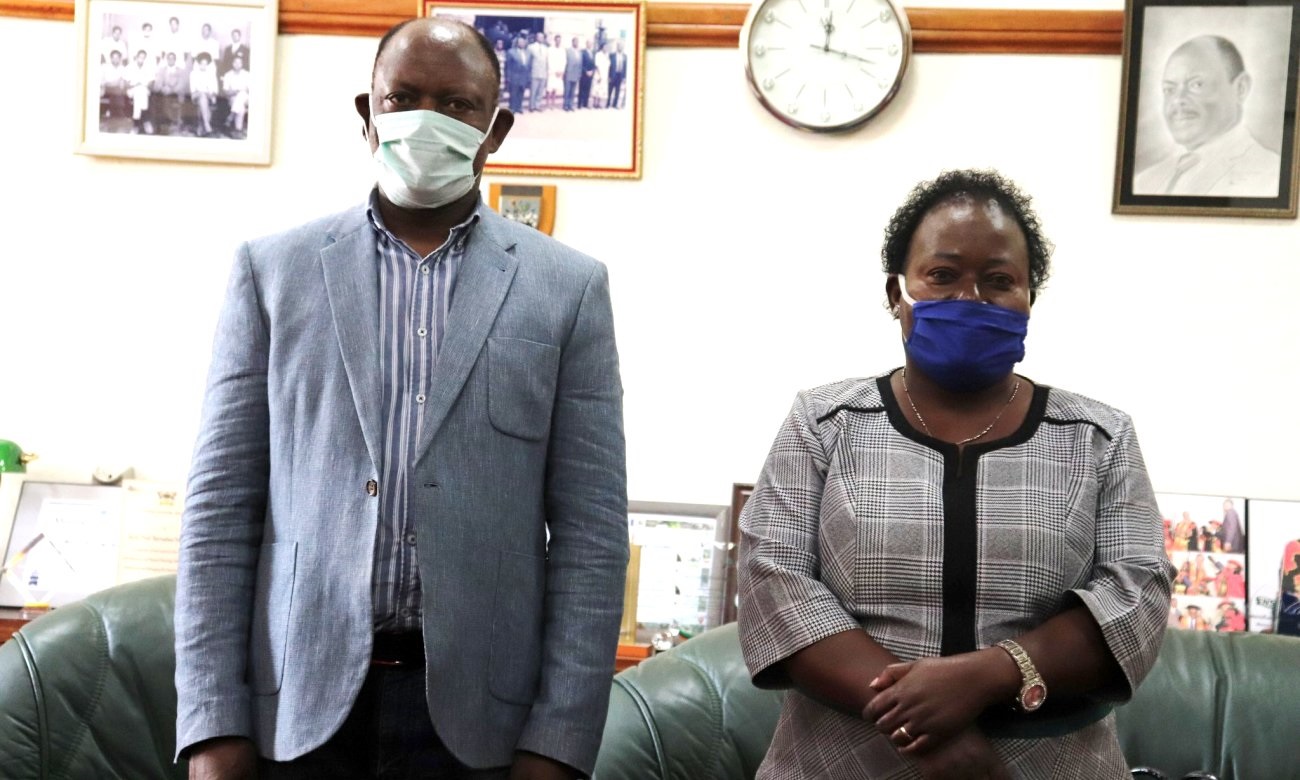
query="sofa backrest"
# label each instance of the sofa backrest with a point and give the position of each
(1213, 702)
(87, 690)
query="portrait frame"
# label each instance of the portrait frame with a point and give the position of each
(601, 139)
(1174, 157)
(537, 200)
(178, 115)
(694, 535)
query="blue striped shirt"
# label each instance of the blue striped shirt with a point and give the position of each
(414, 298)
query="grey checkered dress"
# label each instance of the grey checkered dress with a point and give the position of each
(859, 520)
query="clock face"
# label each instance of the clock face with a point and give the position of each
(825, 65)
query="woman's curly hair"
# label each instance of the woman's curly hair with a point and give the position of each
(949, 184)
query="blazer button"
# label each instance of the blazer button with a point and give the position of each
(372, 488)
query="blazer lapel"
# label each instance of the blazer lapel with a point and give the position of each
(351, 268)
(485, 275)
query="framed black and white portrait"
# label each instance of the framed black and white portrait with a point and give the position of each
(1208, 108)
(176, 81)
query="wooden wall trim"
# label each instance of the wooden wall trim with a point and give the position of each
(936, 30)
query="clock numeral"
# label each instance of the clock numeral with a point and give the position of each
(886, 15)
(768, 83)
(759, 50)
(792, 109)
(893, 50)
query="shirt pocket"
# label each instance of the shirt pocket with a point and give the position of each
(272, 604)
(521, 386)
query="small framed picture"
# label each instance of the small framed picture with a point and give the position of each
(1208, 113)
(682, 560)
(176, 80)
(530, 204)
(572, 75)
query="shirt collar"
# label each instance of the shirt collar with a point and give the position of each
(458, 236)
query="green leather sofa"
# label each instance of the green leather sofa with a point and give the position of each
(87, 692)
(1222, 703)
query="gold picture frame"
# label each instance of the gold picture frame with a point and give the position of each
(591, 126)
(529, 204)
(1208, 108)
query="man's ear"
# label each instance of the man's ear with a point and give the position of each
(362, 102)
(1242, 85)
(500, 129)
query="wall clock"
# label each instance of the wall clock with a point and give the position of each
(825, 65)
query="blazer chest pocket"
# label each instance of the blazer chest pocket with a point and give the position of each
(272, 603)
(521, 386)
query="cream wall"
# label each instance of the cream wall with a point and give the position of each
(744, 264)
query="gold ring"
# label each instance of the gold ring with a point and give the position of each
(902, 730)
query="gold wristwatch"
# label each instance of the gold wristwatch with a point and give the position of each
(1033, 691)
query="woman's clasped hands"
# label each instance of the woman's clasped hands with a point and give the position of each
(928, 709)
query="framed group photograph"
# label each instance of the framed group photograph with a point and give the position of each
(1208, 108)
(572, 75)
(176, 80)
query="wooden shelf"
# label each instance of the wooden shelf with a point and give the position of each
(710, 25)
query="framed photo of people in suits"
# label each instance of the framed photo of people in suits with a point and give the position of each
(529, 204)
(176, 81)
(572, 73)
(1208, 108)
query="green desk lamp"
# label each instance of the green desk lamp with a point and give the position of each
(12, 457)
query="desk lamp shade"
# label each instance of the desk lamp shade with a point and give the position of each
(12, 457)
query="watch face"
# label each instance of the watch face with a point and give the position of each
(1032, 697)
(825, 64)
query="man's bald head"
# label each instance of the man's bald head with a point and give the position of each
(451, 26)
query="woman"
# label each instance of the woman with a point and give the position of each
(904, 525)
(600, 84)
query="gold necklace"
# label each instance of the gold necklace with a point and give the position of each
(968, 439)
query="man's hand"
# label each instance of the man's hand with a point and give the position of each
(967, 756)
(224, 758)
(532, 766)
(935, 698)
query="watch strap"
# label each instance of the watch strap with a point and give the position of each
(1033, 691)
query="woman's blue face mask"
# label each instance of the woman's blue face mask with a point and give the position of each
(964, 345)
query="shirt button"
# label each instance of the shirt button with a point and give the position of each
(410, 538)
(406, 611)
(419, 399)
(372, 488)
(423, 332)
(424, 269)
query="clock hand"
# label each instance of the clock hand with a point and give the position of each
(829, 50)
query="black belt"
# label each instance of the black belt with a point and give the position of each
(398, 650)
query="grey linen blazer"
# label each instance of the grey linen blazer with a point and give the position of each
(523, 436)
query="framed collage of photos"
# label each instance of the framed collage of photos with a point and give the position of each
(176, 80)
(1208, 121)
(572, 74)
(681, 565)
(1236, 561)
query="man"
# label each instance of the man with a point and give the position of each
(171, 88)
(406, 533)
(236, 48)
(174, 42)
(588, 73)
(538, 62)
(1205, 87)
(203, 91)
(617, 73)
(572, 73)
(114, 43)
(518, 74)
